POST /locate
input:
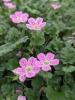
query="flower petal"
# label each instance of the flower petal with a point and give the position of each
(14, 20)
(30, 74)
(31, 60)
(39, 20)
(50, 56)
(29, 26)
(20, 97)
(23, 62)
(37, 63)
(43, 24)
(31, 21)
(17, 71)
(46, 68)
(22, 78)
(37, 69)
(41, 56)
(18, 13)
(54, 62)
(24, 17)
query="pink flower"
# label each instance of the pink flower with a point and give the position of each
(6, 0)
(20, 97)
(35, 24)
(19, 17)
(27, 69)
(9, 5)
(47, 61)
(55, 6)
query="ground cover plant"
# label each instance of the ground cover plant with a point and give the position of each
(37, 49)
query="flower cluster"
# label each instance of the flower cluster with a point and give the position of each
(32, 24)
(19, 17)
(9, 4)
(31, 67)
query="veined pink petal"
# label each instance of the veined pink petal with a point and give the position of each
(22, 78)
(43, 24)
(40, 23)
(20, 97)
(26, 14)
(54, 62)
(50, 56)
(30, 74)
(31, 21)
(18, 13)
(46, 68)
(13, 17)
(31, 60)
(37, 69)
(14, 20)
(29, 26)
(25, 17)
(41, 56)
(23, 62)
(39, 20)
(37, 63)
(17, 71)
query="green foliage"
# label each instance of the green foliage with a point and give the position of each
(46, 75)
(59, 83)
(6, 48)
(54, 94)
(68, 55)
(68, 69)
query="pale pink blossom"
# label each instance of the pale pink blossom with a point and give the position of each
(19, 17)
(9, 5)
(6, 0)
(27, 69)
(47, 60)
(55, 6)
(20, 97)
(35, 24)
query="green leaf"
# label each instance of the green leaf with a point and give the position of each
(68, 69)
(54, 94)
(32, 94)
(68, 55)
(55, 44)
(15, 78)
(38, 38)
(6, 48)
(35, 81)
(46, 75)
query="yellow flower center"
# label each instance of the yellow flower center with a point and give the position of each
(28, 68)
(46, 62)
